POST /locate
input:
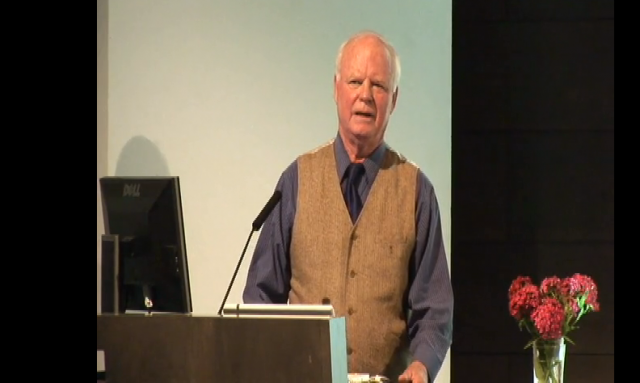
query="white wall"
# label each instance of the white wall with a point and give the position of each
(102, 114)
(227, 94)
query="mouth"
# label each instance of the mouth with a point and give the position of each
(365, 115)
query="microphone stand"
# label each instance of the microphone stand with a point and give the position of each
(255, 226)
(235, 273)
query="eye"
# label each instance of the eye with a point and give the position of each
(380, 85)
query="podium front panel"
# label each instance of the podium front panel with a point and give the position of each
(193, 349)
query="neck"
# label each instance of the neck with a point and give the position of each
(358, 149)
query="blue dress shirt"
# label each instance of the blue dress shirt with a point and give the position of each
(430, 296)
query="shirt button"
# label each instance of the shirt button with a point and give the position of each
(352, 274)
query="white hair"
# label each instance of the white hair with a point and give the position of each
(394, 59)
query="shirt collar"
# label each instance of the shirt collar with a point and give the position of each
(371, 164)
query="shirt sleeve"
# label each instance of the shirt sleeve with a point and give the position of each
(430, 295)
(269, 275)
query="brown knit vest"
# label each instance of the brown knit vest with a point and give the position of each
(361, 268)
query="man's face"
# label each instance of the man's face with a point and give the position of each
(363, 90)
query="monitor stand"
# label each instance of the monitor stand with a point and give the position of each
(111, 302)
(148, 298)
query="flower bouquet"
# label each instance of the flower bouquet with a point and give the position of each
(549, 312)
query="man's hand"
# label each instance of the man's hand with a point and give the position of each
(415, 373)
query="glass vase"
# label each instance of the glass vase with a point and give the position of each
(548, 361)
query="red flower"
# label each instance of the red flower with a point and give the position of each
(551, 285)
(595, 306)
(588, 286)
(549, 318)
(524, 301)
(518, 284)
(579, 285)
(552, 310)
(570, 287)
(575, 307)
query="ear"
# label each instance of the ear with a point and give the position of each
(335, 88)
(394, 99)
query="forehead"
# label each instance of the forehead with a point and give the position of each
(366, 57)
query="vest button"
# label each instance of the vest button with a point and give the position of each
(351, 311)
(349, 351)
(352, 274)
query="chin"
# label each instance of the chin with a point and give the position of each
(363, 131)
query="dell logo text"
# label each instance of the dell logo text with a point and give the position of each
(131, 190)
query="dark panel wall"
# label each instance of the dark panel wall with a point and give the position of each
(532, 175)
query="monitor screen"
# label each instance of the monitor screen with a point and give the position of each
(144, 216)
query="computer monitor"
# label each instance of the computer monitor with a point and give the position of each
(144, 248)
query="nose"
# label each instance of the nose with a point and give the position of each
(366, 92)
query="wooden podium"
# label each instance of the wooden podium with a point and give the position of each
(170, 348)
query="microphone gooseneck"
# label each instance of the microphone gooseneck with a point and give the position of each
(255, 226)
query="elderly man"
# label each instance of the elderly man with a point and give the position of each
(359, 226)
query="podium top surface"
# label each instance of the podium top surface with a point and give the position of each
(244, 310)
(299, 311)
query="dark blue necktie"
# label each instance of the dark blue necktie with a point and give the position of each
(354, 173)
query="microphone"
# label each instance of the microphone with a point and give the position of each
(266, 210)
(255, 226)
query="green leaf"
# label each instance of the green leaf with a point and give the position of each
(529, 344)
(569, 340)
(582, 299)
